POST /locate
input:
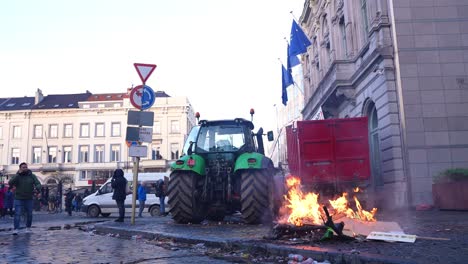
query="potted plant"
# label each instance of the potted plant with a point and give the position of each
(450, 189)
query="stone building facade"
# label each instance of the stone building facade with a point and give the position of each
(78, 139)
(404, 65)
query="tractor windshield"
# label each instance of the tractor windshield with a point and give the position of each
(220, 138)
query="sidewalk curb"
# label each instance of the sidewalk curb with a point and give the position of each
(319, 254)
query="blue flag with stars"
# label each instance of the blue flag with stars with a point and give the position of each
(287, 80)
(299, 41)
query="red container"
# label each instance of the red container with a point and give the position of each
(331, 151)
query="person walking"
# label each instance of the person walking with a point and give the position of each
(141, 197)
(8, 202)
(52, 203)
(161, 193)
(2, 197)
(119, 184)
(26, 183)
(86, 193)
(69, 201)
(79, 202)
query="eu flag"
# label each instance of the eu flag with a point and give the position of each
(299, 41)
(292, 61)
(287, 80)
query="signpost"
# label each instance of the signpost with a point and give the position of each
(142, 97)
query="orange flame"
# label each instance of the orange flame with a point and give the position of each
(357, 189)
(305, 208)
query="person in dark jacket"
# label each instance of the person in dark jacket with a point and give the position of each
(68, 201)
(26, 184)
(119, 184)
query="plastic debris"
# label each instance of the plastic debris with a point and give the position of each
(295, 257)
(199, 246)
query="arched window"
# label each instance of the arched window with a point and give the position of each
(344, 45)
(365, 21)
(374, 141)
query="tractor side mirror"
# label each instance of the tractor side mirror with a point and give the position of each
(270, 136)
(190, 151)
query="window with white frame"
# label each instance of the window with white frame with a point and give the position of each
(52, 155)
(155, 153)
(115, 152)
(68, 130)
(84, 130)
(37, 131)
(115, 127)
(37, 155)
(99, 129)
(174, 151)
(83, 175)
(67, 154)
(99, 153)
(157, 127)
(83, 155)
(16, 132)
(175, 127)
(15, 155)
(53, 131)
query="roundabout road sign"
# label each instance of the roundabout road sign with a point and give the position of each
(142, 97)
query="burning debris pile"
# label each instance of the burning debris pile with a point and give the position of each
(302, 214)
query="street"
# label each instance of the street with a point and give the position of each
(51, 242)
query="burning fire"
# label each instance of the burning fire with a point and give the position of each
(304, 208)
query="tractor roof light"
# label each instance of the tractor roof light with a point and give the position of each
(180, 162)
(252, 112)
(197, 115)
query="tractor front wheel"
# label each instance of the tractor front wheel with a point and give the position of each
(255, 196)
(184, 198)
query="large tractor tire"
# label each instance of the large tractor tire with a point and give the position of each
(255, 196)
(184, 198)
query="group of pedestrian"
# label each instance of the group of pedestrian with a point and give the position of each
(6, 201)
(27, 188)
(121, 189)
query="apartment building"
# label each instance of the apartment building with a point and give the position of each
(403, 64)
(78, 139)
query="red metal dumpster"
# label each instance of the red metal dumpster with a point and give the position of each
(331, 152)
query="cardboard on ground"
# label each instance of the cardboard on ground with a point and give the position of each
(392, 237)
(355, 227)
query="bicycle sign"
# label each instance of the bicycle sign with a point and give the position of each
(142, 97)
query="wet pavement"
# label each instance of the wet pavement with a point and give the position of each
(440, 224)
(58, 238)
(74, 246)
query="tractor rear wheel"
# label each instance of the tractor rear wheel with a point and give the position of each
(255, 196)
(184, 198)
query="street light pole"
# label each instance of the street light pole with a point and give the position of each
(278, 132)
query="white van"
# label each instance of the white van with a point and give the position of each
(101, 201)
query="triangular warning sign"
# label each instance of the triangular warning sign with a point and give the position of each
(144, 70)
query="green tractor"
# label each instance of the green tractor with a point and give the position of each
(223, 169)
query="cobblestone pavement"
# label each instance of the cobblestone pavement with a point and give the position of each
(441, 224)
(74, 246)
(56, 239)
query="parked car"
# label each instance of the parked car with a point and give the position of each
(101, 203)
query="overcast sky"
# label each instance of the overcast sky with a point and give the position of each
(222, 54)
